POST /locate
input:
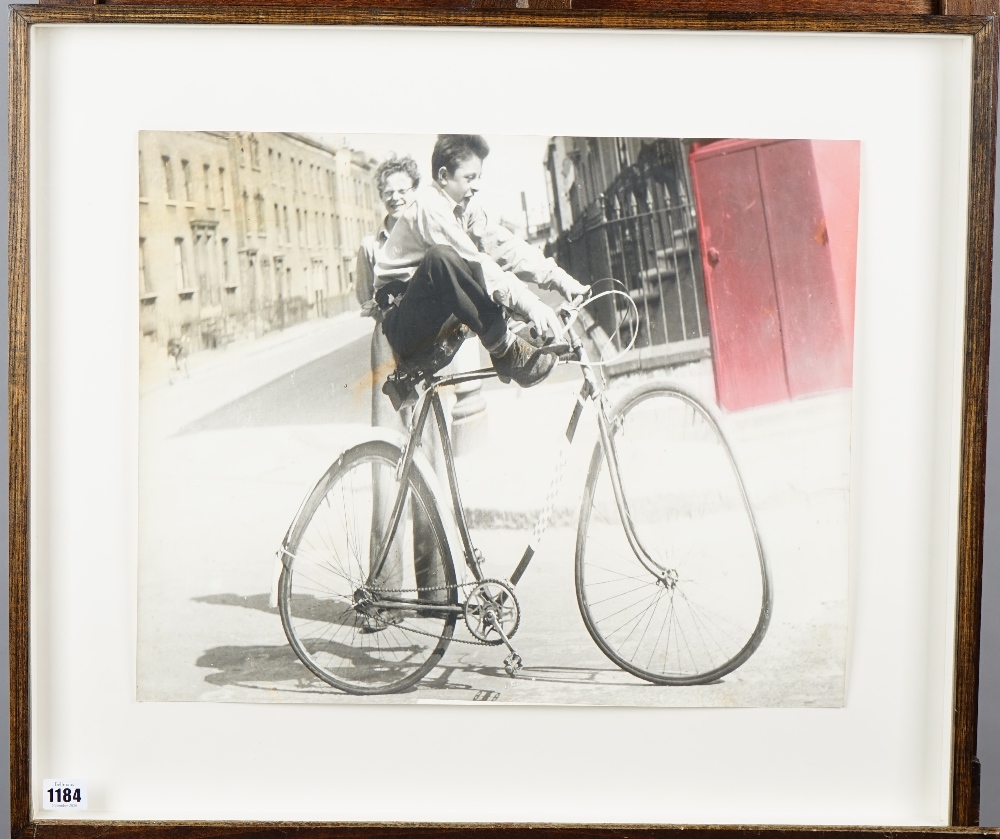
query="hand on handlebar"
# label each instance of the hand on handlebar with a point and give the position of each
(545, 322)
(573, 290)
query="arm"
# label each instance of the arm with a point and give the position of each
(436, 228)
(518, 257)
(364, 273)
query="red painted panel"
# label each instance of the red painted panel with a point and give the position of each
(816, 355)
(743, 309)
(838, 168)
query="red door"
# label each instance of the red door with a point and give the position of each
(780, 304)
(739, 280)
(816, 355)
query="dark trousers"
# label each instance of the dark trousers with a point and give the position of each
(443, 285)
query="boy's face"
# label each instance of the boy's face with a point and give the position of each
(463, 183)
(397, 194)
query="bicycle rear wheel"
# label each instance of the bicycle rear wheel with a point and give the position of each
(706, 608)
(359, 633)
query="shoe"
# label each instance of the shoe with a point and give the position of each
(523, 364)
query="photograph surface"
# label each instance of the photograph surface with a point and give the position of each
(542, 420)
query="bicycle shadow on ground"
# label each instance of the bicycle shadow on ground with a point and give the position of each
(610, 677)
(277, 668)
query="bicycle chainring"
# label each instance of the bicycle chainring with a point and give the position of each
(496, 599)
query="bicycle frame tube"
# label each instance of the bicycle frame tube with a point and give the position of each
(546, 514)
(403, 473)
(449, 462)
(430, 401)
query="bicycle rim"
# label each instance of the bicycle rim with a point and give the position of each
(709, 609)
(348, 628)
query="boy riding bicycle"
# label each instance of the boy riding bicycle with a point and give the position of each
(446, 264)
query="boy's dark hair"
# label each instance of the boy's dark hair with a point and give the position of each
(451, 150)
(391, 166)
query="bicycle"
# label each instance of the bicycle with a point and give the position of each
(670, 573)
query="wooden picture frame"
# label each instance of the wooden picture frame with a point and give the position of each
(967, 21)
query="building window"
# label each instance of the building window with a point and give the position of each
(247, 212)
(261, 221)
(222, 187)
(288, 228)
(186, 169)
(305, 225)
(298, 226)
(295, 175)
(277, 223)
(270, 165)
(254, 152)
(143, 282)
(268, 278)
(168, 179)
(206, 174)
(201, 242)
(142, 178)
(180, 271)
(225, 263)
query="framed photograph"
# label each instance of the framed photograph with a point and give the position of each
(589, 406)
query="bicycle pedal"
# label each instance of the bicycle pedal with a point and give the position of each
(512, 664)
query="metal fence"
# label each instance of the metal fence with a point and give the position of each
(644, 237)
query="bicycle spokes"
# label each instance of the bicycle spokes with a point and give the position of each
(698, 605)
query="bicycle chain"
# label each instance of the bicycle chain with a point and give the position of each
(475, 642)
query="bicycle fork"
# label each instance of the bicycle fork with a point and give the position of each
(664, 575)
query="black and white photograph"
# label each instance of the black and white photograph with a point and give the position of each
(461, 418)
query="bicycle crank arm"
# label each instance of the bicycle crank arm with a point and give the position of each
(513, 662)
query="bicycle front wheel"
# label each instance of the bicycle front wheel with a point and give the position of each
(363, 629)
(697, 603)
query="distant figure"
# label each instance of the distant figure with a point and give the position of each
(177, 349)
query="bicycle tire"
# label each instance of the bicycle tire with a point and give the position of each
(337, 620)
(709, 610)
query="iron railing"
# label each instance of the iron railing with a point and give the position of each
(643, 232)
(654, 252)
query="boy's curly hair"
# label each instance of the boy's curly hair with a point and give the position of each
(393, 165)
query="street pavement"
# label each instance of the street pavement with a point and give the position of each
(229, 449)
